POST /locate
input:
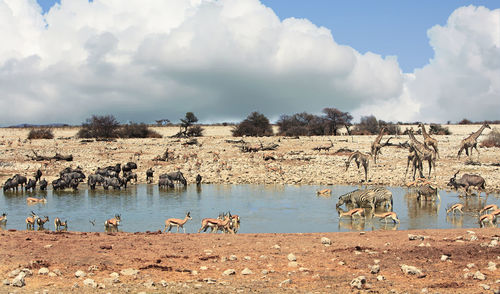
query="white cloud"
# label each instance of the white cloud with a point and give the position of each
(145, 60)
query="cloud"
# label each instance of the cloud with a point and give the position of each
(222, 60)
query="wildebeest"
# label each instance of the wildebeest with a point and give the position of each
(31, 185)
(38, 175)
(198, 179)
(165, 182)
(149, 175)
(129, 176)
(21, 180)
(92, 180)
(466, 181)
(116, 183)
(175, 176)
(129, 166)
(43, 185)
(10, 184)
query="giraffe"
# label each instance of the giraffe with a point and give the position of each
(423, 152)
(471, 141)
(428, 140)
(416, 162)
(376, 146)
(359, 158)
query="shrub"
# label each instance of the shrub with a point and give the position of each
(465, 122)
(493, 139)
(436, 129)
(367, 126)
(105, 126)
(43, 133)
(295, 125)
(256, 124)
(134, 130)
(195, 131)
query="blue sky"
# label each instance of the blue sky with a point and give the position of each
(388, 27)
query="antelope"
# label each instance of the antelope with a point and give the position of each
(30, 221)
(3, 219)
(58, 224)
(225, 225)
(351, 213)
(488, 208)
(216, 224)
(496, 212)
(113, 222)
(324, 192)
(40, 222)
(36, 200)
(235, 223)
(455, 207)
(388, 215)
(487, 218)
(177, 222)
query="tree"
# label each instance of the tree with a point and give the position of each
(97, 126)
(188, 129)
(256, 124)
(295, 125)
(336, 119)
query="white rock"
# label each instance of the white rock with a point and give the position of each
(444, 257)
(18, 281)
(229, 272)
(203, 268)
(358, 282)
(285, 282)
(411, 270)
(326, 241)
(43, 271)
(246, 271)
(90, 283)
(479, 276)
(80, 274)
(233, 257)
(247, 258)
(380, 278)
(291, 257)
(129, 272)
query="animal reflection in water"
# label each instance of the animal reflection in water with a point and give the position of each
(357, 219)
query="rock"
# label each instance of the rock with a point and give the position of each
(18, 281)
(75, 286)
(80, 274)
(470, 265)
(285, 282)
(276, 246)
(492, 266)
(341, 263)
(149, 284)
(293, 264)
(14, 273)
(47, 246)
(129, 272)
(93, 268)
(114, 275)
(229, 272)
(493, 243)
(444, 257)
(484, 286)
(197, 286)
(57, 272)
(380, 278)
(90, 283)
(358, 282)
(209, 280)
(374, 269)
(246, 271)
(163, 283)
(247, 258)
(264, 272)
(411, 270)
(101, 286)
(194, 273)
(43, 271)
(303, 269)
(233, 257)
(52, 274)
(479, 276)
(326, 241)
(203, 268)
(6, 282)
(291, 257)
(412, 237)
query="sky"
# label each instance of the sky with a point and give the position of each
(433, 61)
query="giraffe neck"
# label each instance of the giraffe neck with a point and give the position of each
(379, 137)
(424, 132)
(478, 133)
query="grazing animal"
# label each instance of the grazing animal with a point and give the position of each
(10, 184)
(58, 224)
(216, 224)
(324, 192)
(38, 175)
(113, 222)
(21, 180)
(487, 218)
(416, 162)
(427, 191)
(428, 140)
(31, 185)
(3, 219)
(198, 180)
(40, 222)
(149, 175)
(351, 213)
(489, 207)
(455, 207)
(360, 159)
(466, 181)
(471, 141)
(175, 176)
(376, 146)
(165, 182)
(36, 200)
(129, 166)
(360, 198)
(177, 222)
(129, 176)
(43, 185)
(387, 215)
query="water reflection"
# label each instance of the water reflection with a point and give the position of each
(262, 208)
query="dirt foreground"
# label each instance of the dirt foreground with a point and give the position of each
(449, 261)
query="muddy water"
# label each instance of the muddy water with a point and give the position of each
(262, 208)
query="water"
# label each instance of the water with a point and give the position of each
(262, 208)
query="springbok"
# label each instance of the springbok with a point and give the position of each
(177, 222)
(488, 208)
(36, 200)
(387, 215)
(31, 220)
(324, 192)
(455, 207)
(113, 222)
(487, 218)
(40, 222)
(351, 213)
(58, 224)
(215, 224)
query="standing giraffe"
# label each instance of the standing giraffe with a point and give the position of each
(471, 141)
(423, 152)
(359, 158)
(428, 140)
(376, 146)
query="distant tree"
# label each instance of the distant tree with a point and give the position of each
(465, 122)
(188, 129)
(295, 125)
(256, 124)
(335, 119)
(99, 127)
(41, 133)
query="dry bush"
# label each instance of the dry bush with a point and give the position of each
(43, 133)
(99, 127)
(493, 139)
(256, 124)
(134, 130)
(436, 129)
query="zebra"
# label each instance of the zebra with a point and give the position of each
(359, 198)
(382, 197)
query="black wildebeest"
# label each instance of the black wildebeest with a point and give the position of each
(116, 183)
(149, 175)
(38, 175)
(129, 166)
(175, 176)
(165, 182)
(466, 181)
(43, 185)
(93, 180)
(21, 180)
(198, 180)
(31, 185)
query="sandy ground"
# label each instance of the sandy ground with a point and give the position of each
(195, 263)
(295, 161)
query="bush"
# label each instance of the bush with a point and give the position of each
(43, 133)
(465, 122)
(367, 126)
(256, 124)
(295, 125)
(105, 126)
(134, 130)
(435, 129)
(195, 131)
(493, 139)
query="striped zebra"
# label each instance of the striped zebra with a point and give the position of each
(360, 198)
(382, 197)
